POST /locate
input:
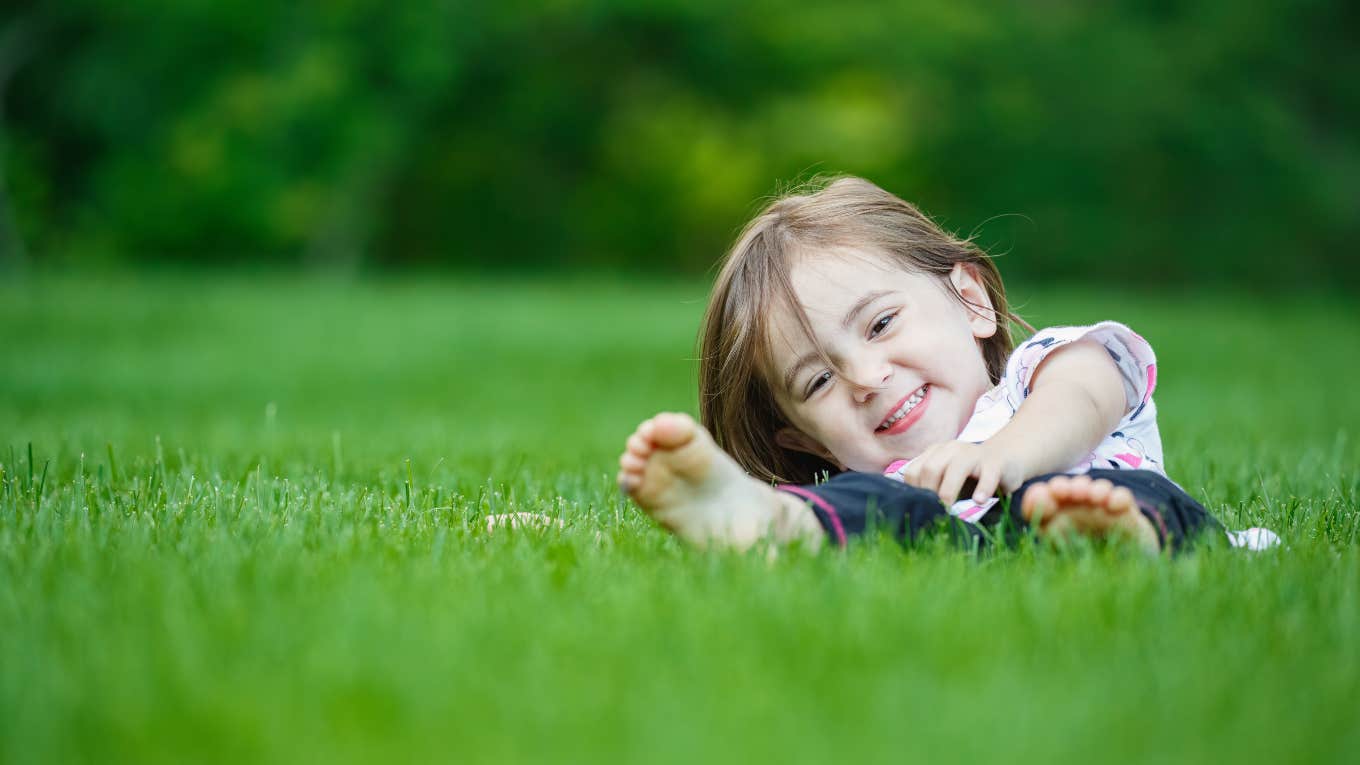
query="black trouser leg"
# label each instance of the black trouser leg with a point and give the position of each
(851, 504)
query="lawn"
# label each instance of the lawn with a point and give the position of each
(241, 520)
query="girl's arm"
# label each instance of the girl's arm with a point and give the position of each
(1076, 399)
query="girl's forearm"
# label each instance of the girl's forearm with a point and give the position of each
(1076, 399)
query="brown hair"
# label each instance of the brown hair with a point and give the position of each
(736, 398)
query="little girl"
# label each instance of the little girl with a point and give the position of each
(849, 336)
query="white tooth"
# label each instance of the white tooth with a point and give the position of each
(906, 407)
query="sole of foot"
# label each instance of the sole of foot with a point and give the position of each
(1079, 506)
(675, 472)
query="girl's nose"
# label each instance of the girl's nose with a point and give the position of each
(872, 383)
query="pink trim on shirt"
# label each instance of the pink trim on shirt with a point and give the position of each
(896, 466)
(819, 502)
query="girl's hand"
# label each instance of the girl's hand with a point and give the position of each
(945, 469)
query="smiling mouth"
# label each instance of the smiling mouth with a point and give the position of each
(901, 417)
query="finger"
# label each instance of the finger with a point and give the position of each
(952, 481)
(989, 477)
(911, 474)
(929, 474)
(908, 473)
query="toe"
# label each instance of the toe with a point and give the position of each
(1079, 487)
(1060, 486)
(1121, 501)
(1038, 501)
(639, 445)
(671, 430)
(632, 463)
(1099, 492)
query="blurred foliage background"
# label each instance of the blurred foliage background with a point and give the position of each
(1150, 142)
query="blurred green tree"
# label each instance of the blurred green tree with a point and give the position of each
(1139, 141)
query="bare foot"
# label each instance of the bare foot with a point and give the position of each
(676, 473)
(1077, 505)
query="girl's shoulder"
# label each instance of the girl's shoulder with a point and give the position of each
(1111, 334)
(1128, 350)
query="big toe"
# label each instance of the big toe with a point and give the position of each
(671, 430)
(1038, 499)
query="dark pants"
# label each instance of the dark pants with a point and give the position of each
(851, 504)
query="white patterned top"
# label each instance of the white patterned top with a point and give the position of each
(1134, 444)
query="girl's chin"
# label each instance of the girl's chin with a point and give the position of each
(922, 435)
(907, 444)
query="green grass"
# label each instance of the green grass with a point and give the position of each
(250, 530)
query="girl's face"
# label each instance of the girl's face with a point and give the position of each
(909, 350)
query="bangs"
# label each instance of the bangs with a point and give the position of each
(776, 292)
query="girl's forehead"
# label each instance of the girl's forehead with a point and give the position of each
(823, 280)
(826, 285)
(848, 261)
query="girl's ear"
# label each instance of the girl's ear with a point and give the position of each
(970, 289)
(798, 441)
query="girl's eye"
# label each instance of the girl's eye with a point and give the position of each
(817, 383)
(881, 325)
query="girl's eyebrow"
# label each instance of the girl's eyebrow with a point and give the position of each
(849, 319)
(860, 306)
(806, 359)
